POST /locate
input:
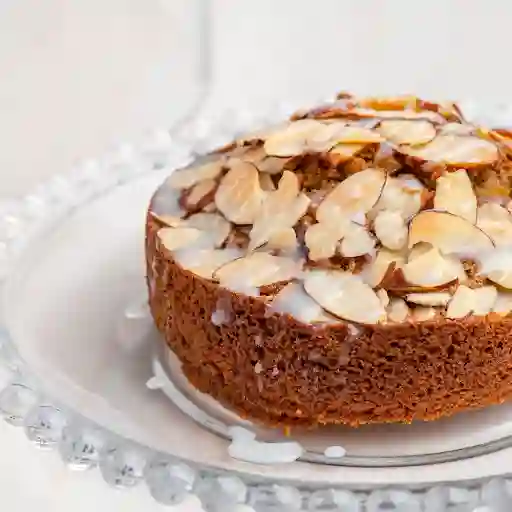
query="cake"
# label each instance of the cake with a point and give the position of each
(348, 266)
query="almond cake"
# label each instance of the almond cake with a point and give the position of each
(348, 266)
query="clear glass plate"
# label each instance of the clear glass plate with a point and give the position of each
(79, 351)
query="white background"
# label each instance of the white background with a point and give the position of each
(77, 77)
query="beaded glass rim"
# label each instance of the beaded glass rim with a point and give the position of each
(123, 463)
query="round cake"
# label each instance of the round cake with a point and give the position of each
(348, 266)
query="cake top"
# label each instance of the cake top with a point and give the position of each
(373, 210)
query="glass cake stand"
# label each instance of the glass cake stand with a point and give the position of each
(84, 372)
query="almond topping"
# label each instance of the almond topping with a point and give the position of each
(185, 178)
(485, 298)
(462, 303)
(383, 297)
(391, 230)
(255, 270)
(214, 226)
(394, 114)
(356, 242)
(421, 314)
(356, 195)
(407, 132)
(204, 262)
(343, 152)
(178, 238)
(495, 221)
(169, 220)
(199, 192)
(239, 196)
(454, 194)
(272, 165)
(429, 299)
(455, 150)
(449, 233)
(375, 271)
(457, 129)
(431, 269)
(280, 210)
(496, 265)
(266, 183)
(345, 296)
(291, 140)
(398, 310)
(503, 304)
(284, 240)
(294, 301)
(322, 239)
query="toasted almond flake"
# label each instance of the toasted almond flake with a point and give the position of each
(263, 133)
(257, 269)
(356, 242)
(418, 250)
(239, 196)
(340, 133)
(432, 269)
(291, 140)
(407, 132)
(266, 183)
(169, 220)
(398, 310)
(205, 262)
(449, 233)
(272, 165)
(496, 221)
(280, 210)
(391, 230)
(462, 303)
(322, 239)
(485, 298)
(423, 313)
(284, 240)
(457, 129)
(356, 195)
(496, 265)
(395, 114)
(254, 155)
(294, 301)
(503, 304)
(344, 295)
(199, 192)
(185, 178)
(214, 226)
(455, 150)
(405, 102)
(342, 152)
(429, 299)
(178, 238)
(455, 194)
(375, 271)
(383, 297)
(402, 194)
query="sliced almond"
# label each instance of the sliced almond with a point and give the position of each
(455, 194)
(394, 114)
(291, 140)
(429, 299)
(284, 240)
(293, 300)
(503, 304)
(423, 313)
(402, 194)
(457, 129)
(383, 297)
(462, 303)
(344, 295)
(375, 271)
(449, 233)
(266, 183)
(496, 221)
(214, 226)
(418, 250)
(431, 269)
(199, 192)
(496, 265)
(485, 298)
(205, 262)
(280, 210)
(322, 239)
(391, 230)
(257, 269)
(239, 196)
(178, 238)
(340, 133)
(405, 102)
(168, 220)
(457, 151)
(356, 242)
(398, 310)
(185, 178)
(407, 132)
(343, 152)
(272, 165)
(356, 195)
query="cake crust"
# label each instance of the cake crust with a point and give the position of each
(275, 368)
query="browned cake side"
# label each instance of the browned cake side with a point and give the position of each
(414, 346)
